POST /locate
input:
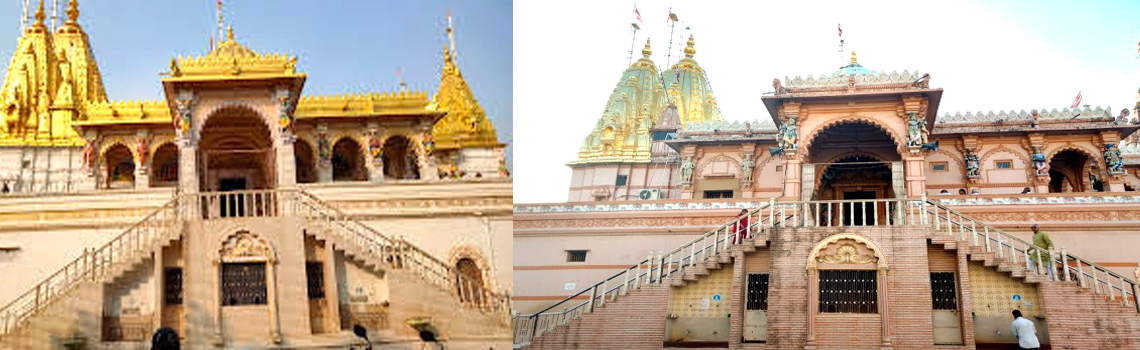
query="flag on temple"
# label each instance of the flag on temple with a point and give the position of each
(1076, 101)
(637, 13)
(840, 30)
(672, 16)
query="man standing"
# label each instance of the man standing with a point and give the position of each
(1041, 239)
(1025, 332)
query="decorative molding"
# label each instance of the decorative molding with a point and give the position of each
(243, 246)
(900, 144)
(854, 255)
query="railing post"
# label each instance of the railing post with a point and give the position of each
(649, 269)
(593, 295)
(663, 268)
(637, 276)
(1136, 296)
(772, 212)
(1064, 265)
(625, 284)
(602, 302)
(1080, 273)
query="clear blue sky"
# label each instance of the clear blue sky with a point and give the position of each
(343, 46)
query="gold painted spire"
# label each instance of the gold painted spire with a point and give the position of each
(72, 11)
(40, 16)
(230, 33)
(689, 50)
(646, 52)
(466, 124)
(852, 56)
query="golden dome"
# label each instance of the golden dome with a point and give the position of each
(230, 48)
(689, 50)
(646, 52)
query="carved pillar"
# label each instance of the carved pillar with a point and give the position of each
(1035, 144)
(142, 160)
(688, 170)
(884, 307)
(374, 160)
(90, 161)
(187, 143)
(1115, 179)
(324, 154)
(286, 161)
(793, 175)
(159, 283)
(332, 314)
(425, 155)
(812, 305)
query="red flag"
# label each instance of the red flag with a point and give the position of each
(1076, 101)
(841, 30)
(637, 13)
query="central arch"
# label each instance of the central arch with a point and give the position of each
(851, 159)
(236, 151)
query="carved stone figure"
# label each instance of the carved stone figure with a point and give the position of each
(972, 164)
(374, 147)
(789, 134)
(916, 132)
(1039, 161)
(89, 155)
(286, 118)
(1113, 159)
(323, 146)
(1034, 116)
(687, 170)
(142, 149)
(746, 168)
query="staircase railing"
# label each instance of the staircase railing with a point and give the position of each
(1054, 265)
(398, 253)
(653, 270)
(95, 264)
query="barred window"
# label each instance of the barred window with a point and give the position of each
(848, 291)
(172, 285)
(315, 274)
(243, 284)
(943, 291)
(757, 298)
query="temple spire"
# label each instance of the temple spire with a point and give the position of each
(230, 33)
(40, 16)
(690, 50)
(451, 37)
(853, 56)
(646, 52)
(72, 11)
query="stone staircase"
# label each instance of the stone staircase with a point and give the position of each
(1094, 288)
(69, 302)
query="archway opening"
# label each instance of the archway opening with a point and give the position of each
(348, 161)
(164, 166)
(1069, 171)
(236, 151)
(119, 165)
(847, 162)
(470, 283)
(306, 167)
(400, 159)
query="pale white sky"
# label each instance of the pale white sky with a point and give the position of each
(1012, 55)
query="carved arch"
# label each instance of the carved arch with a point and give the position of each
(880, 260)
(819, 174)
(269, 122)
(705, 161)
(244, 246)
(809, 139)
(1097, 159)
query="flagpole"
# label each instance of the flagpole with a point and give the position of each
(669, 52)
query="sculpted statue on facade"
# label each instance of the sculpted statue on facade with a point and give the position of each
(286, 118)
(746, 168)
(916, 130)
(788, 134)
(1039, 161)
(687, 170)
(972, 165)
(1113, 159)
(142, 149)
(323, 147)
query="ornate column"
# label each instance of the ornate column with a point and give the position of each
(425, 155)
(283, 145)
(187, 142)
(747, 167)
(917, 140)
(90, 161)
(812, 305)
(973, 163)
(688, 166)
(142, 160)
(1036, 146)
(324, 154)
(788, 139)
(1113, 160)
(374, 160)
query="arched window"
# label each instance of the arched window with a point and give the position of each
(846, 275)
(119, 165)
(164, 166)
(348, 161)
(305, 166)
(470, 280)
(400, 159)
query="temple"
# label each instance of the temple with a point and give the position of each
(856, 217)
(240, 212)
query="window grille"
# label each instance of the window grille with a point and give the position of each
(848, 291)
(243, 283)
(757, 298)
(943, 291)
(172, 285)
(315, 275)
(576, 256)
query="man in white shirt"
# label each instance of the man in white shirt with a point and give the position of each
(1025, 332)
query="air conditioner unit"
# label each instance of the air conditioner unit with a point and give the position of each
(649, 194)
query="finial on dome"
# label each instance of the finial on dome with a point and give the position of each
(72, 11)
(690, 51)
(646, 52)
(852, 56)
(230, 33)
(40, 15)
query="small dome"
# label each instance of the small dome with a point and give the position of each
(853, 69)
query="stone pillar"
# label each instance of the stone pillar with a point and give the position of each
(324, 155)
(159, 283)
(425, 160)
(332, 310)
(898, 179)
(286, 162)
(793, 175)
(915, 174)
(187, 166)
(813, 306)
(142, 157)
(374, 160)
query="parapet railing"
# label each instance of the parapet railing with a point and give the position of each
(398, 253)
(241, 204)
(1054, 265)
(135, 242)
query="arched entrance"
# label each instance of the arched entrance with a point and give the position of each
(852, 160)
(348, 161)
(164, 166)
(470, 281)
(119, 167)
(236, 151)
(400, 159)
(1070, 170)
(305, 166)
